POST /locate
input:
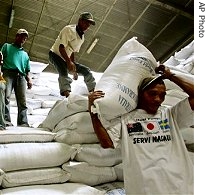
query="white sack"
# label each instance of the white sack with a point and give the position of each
(64, 108)
(70, 137)
(172, 61)
(18, 156)
(76, 129)
(49, 97)
(82, 172)
(25, 134)
(34, 103)
(1, 177)
(182, 72)
(35, 120)
(37, 67)
(48, 103)
(39, 90)
(132, 63)
(34, 177)
(119, 171)
(40, 111)
(81, 122)
(187, 65)
(79, 87)
(13, 103)
(94, 154)
(53, 189)
(185, 52)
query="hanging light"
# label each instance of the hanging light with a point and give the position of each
(92, 45)
(11, 18)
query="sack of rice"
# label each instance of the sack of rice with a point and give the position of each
(132, 63)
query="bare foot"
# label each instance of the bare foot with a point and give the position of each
(66, 93)
(2, 128)
(75, 76)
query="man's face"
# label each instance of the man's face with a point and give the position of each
(21, 38)
(84, 24)
(151, 99)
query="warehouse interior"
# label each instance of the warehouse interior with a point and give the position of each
(164, 27)
(60, 153)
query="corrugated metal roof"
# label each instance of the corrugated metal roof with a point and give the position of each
(162, 26)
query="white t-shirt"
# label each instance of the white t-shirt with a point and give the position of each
(155, 158)
(69, 37)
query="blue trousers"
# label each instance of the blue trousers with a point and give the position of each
(64, 80)
(17, 82)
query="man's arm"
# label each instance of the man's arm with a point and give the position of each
(69, 60)
(1, 62)
(1, 58)
(181, 81)
(29, 82)
(100, 131)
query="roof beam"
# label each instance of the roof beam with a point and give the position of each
(103, 20)
(124, 36)
(172, 8)
(179, 45)
(161, 31)
(44, 4)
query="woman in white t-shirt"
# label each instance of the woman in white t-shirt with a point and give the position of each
(155, 158)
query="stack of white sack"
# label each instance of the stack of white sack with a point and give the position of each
(92, 165)
(55, 189)
(67, 126)
(183, 59)
(30, 156)
(40, 155)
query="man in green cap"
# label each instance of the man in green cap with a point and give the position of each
(61, 55)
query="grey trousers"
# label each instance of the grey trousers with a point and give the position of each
(64, 80)
(16, 82)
